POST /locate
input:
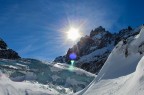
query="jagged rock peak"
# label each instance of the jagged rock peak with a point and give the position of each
(98, 30)
(7, 53)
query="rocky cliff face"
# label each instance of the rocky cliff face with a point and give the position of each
(93, 50)
(7, 53)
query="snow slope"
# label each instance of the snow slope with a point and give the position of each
(33, 77)
(123, 72)
(8, 87)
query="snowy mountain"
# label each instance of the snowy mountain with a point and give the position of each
(121, 74)
(7, 53)
(92, 51)
(123, 71)
(34, 77)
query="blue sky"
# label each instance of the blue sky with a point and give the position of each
(36, 28)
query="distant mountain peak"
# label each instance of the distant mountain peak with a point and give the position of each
(97, 31)
(92, 51)
(7, 53)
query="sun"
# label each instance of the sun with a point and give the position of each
(73, 34)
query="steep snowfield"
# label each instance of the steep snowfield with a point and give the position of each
(132, 84)
(123, 72)
(33, 77)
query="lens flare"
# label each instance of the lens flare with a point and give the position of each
(72, 62)
(71, 67)
(72, 56)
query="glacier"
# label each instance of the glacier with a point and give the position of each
(33, 77)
